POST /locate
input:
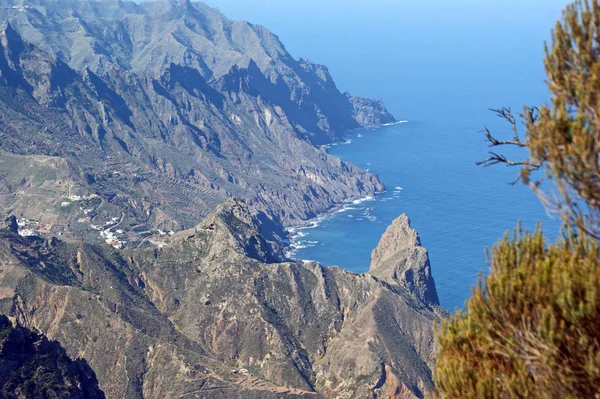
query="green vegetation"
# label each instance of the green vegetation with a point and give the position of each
(532, 327)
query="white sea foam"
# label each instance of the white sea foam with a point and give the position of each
(364, 199)
(297, 244)
(345, 208)
(398, 188)
(394, 123)
(313, 224)
(297, 239)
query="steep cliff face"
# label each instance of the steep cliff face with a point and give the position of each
(175, 107)
(368, 112)
(207, 316)
(401, 260)
(33, 367)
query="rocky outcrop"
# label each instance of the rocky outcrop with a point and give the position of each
(232, 226)
(209, 316)
(31, 366)
(400, 259)
(369, 112)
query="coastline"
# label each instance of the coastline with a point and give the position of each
(295, 233)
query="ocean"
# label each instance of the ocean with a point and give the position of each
(457, 207)
(440, 66)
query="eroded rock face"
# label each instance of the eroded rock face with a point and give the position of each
(401, 260)
(206, 316)
(369, 112)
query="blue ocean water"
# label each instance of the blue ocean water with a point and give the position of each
(457, 207)
(439, 65)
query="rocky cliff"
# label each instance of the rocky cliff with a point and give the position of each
(401, 260)
(209, 316)
(167, 108)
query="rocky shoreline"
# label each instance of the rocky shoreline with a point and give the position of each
(296, 232)
(210, 314)
(291, 242)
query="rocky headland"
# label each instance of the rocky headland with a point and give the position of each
(167, 108)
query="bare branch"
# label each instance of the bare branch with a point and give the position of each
(529, 115)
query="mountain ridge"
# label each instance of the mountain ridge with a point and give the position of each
(259, 329)
(150, 157)
(185, 133)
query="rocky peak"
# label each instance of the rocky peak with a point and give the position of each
(399, 259)
(233, 226)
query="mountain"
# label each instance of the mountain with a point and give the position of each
(209, 316)
(139, 126)
(167, 108)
